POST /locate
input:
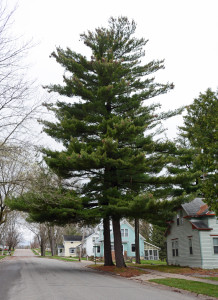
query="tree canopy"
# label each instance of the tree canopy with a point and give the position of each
(107, 127)
(201, 130)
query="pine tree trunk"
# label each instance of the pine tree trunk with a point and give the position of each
(118, 244)
(137, 252)
(107, 243)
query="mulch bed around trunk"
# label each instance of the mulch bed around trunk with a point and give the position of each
(124, 272)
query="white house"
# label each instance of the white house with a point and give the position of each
(192, 236)
(70, 245)
(90, 243)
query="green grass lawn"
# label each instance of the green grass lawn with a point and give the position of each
(2, 256)
(149, 262)
(157, 267)
(63, 258)
(35, 252)
(191, 286)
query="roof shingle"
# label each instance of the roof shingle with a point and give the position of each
(196, 207)
(72, 238)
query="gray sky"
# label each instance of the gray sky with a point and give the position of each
(183, 32)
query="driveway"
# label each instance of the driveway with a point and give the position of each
(27, 277)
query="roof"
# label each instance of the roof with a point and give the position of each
(60, 246)
(72, 238)
(152, 245)
(196, 208)
(200, 225)
(91, 234)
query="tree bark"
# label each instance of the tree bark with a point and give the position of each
(42, 246)
(118, 244)
(137, 251)
(107, 243)
(51, 239)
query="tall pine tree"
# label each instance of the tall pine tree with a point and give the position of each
(102, 126)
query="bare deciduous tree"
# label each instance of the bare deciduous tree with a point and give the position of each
(10, 236)
(41, 233)
(17, 106)
(13, 236)
(15, 173)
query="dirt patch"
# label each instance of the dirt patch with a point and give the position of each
(193, 271)
(181, 270)
(124, 272)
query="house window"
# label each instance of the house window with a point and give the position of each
(124, 233)
(96, 249)
(215, 245)
(190, 246)
(146, 254)
(155, 254)
(72, 250)
(61, 250)
(175, 249)
(181, 217)
(151, 257)
(133, 247)
(93, 239)
(177, 219)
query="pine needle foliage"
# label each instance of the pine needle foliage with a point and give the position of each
(107, 126)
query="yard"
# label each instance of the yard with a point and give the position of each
(188, 285)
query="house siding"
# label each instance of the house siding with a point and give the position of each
(182, 234)
(209, 259)
(68, 245)
(88, 245)
(129, 240)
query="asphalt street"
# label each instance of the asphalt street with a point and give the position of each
(26, 277)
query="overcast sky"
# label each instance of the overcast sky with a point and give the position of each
(183, 32)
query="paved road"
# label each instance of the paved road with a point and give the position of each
(33, 278)
(23, 252)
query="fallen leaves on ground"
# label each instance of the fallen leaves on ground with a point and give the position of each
(181, 270)
(124, 272)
